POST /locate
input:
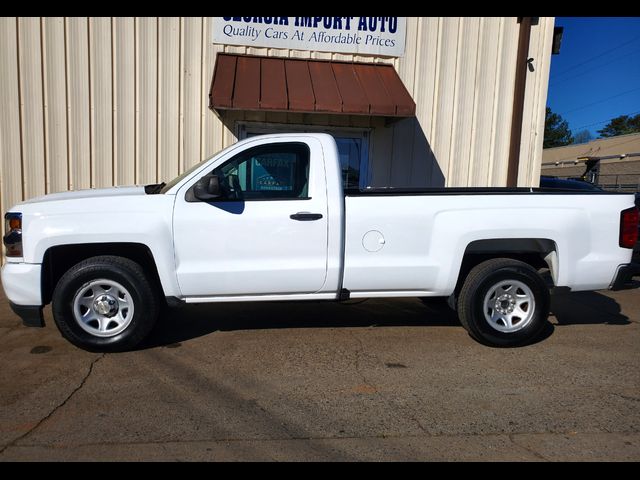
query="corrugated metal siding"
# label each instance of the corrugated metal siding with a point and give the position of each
(91, 102)
(535, 102)
(11, 173)
(124, 101)
(461, 73)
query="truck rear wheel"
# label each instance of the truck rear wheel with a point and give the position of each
(503, 303)
(105, 304)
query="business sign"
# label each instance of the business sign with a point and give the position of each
(384, 36)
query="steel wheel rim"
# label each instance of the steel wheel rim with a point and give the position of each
(509, 306)
(103, 308)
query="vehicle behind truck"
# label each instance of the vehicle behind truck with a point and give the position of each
(269, 219)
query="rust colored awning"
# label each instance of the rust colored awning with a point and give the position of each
(242, 82)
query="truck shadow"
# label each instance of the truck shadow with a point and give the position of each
(587, 308)
(193, 321)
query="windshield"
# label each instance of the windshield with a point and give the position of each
(179, 178)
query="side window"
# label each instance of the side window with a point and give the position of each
(353, 149)
(268, 172)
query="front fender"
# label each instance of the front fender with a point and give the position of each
(142, 220)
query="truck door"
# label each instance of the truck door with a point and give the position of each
(266, 235)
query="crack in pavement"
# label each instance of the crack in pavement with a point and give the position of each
(359, 353)
(625, 397)
(329, 437)
(165, 445)
(528, 449)
(417, 422)
(56, 408)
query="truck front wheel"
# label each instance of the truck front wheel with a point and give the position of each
(504, 303)
(105, 304)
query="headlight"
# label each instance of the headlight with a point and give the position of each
(13, 238)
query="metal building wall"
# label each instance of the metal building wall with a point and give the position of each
(95, 102)
(461, 73)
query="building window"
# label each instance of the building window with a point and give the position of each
(350, 153)
(353, 147)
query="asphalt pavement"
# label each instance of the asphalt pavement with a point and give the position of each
(380, 380)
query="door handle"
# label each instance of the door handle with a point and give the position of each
(305, 216)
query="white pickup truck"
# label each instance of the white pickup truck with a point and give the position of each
(268, 219)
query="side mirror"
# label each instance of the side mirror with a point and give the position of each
(207, 188)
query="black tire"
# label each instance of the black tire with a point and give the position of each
(124, 272)
(484, 278)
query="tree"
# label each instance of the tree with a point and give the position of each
(621, 126)
(556, 131)
(583, 136)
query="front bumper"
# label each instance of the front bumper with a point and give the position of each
(624, 275)
(21, 283)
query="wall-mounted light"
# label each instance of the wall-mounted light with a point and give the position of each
(557, 40)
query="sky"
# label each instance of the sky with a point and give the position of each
(596, 76)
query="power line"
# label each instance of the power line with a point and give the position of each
(603, 121)
(573, 67)
(600, 101)
(595, 68)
